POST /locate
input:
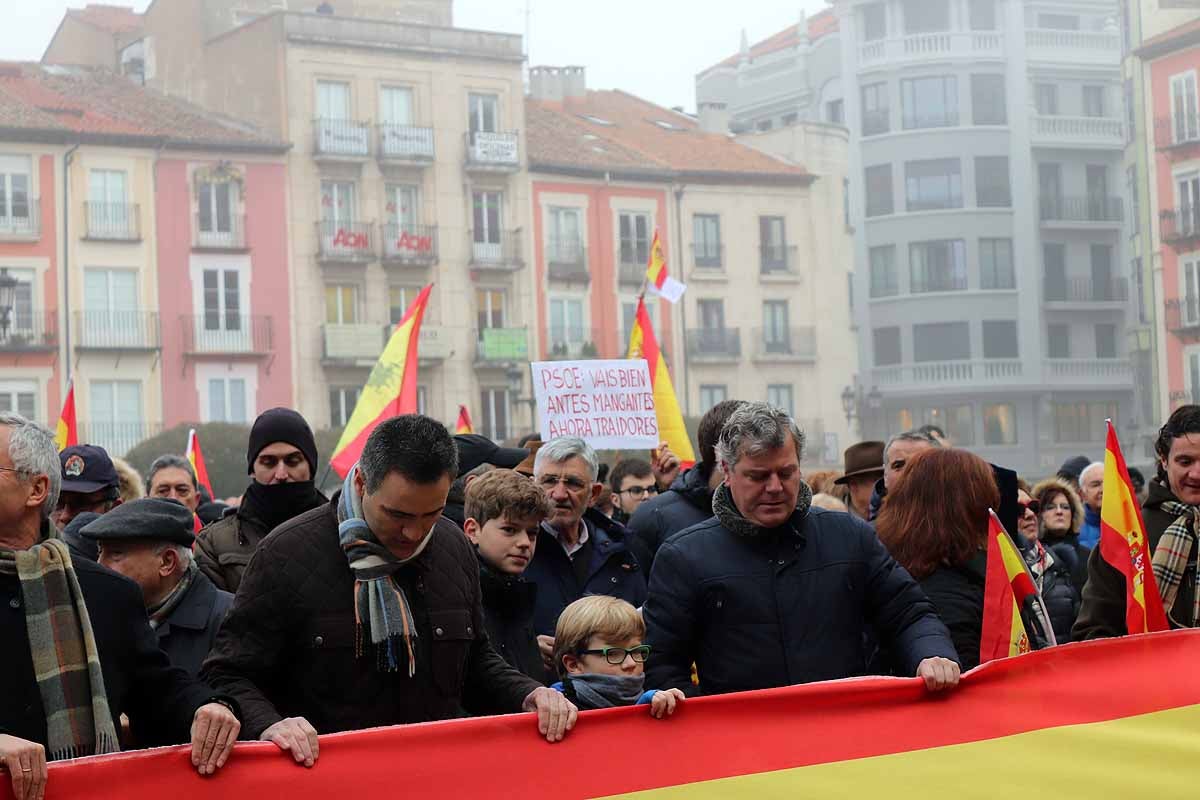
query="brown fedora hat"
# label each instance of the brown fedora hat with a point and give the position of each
(863, 459)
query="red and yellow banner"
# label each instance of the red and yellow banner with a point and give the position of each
(66, 433)
(464, 421)
(643, 344)
(1006, 589)
(195, 457)
(1115, 718)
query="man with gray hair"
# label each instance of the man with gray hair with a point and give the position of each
(1091, 492)
(898, 451)
(172, 477)
(772, 592)
(579, 550)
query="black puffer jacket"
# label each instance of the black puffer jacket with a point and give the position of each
(508, 605)
(957, 596)
(1059, 591)
(686, 503)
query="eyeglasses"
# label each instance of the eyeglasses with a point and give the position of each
(1032, 505)
(573, 484)
(616, 655)
(639, 491)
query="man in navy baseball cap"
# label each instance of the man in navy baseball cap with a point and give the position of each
(89, 483)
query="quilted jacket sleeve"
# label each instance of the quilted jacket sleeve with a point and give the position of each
(670, 614)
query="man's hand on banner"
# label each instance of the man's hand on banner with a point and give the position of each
(214, 730)
(666, 466)
(26, 765)
(556, 714)
(296, 736)
(939, 673)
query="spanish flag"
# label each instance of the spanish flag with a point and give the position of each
(1008, 595)
(195, 457)
(1123, 542)
(659, 280)
(642, 344)
(390, 391)
(66, 433)
(464, 421)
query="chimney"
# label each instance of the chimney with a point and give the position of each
(556, 84)
(574, 82)
(714, 117)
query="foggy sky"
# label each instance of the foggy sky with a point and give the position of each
(652, 48)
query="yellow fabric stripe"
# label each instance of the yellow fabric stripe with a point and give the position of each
(382, 387)
(1152, 755)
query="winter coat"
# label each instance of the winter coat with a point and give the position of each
(1059, 588)
(508, 604)
(1102, 612)
(287, 648)
(783, 607)
(1089, 532)
(188, 632)
(613, 570)
(687, 502)
(159, 699)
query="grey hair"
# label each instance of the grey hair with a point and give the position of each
(183, 553)
(564, 448)
(1094, 465)
(909, 436)
(170, 461)
(756, 428)
(33, 452)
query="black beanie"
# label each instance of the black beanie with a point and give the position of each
(281, 425)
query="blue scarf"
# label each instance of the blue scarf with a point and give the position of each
(607, 691)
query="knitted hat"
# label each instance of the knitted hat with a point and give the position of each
(281, 425)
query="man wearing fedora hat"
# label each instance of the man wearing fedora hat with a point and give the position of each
(864, 466)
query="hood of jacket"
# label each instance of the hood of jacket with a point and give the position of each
(692, 486)
(1159, 493)
(1051, 487)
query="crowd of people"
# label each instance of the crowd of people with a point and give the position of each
(449, 576)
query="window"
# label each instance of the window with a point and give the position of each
(1193, 365)
(1187, 203)
(115, 410)
(566, 245)
(1058, 22)
(930, 102)
(885, 281)
(487, 243)
(835, 112)
(1104, 285)
(1045, 99)
(764, 125)
(227, 400)
(629, 319)
(789, 119)
(215, 207)
(1082, 422)
(333, 100)
(110, 308)
(1000, 424)
(879, 190)
(776, 338)
(494, 414)
(1185, 121)
(337, 203)
(567, 331)
(876, 117)
(404, 206)
(989, 103)
(982, 14)
(712, 314)
(489, 308)
(396, 105)
(222, 301)
(1058, 341)
(926, 16)
(938, 266)
(19, 397)
(706, 240)
(342, 400)
(1000, 339)
(933, 184)
(711, 395)
(874, 22)
(941, 341)
(1106, 341)
(634, 232)
(996, 264)
(399, 300)
(957, 421)
(991, 182)
(900, 419)
(16, 206)
(484, 113)
(772, 240)
(780, 396)
(886, 343)
(108, 214)
(1093, 101)
(341, 304)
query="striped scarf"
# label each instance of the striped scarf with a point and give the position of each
(1172, 554)
(165, 607)
(381, 610)
(66, 661)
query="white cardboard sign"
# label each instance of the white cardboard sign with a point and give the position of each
(608, 404)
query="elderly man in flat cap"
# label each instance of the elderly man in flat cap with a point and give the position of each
(150, 542)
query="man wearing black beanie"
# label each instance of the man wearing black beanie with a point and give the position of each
(282, 458)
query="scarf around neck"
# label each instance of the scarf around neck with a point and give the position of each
(727, 512)
(607, 691)
(381, 609)
(66, 661)
(276, 503)
(1172, 555)
(165, 607)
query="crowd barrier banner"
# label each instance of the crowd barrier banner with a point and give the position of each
(1116, 718)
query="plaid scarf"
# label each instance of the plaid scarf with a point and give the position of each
(66, 661)
(159, 613)
(381, 609)
(1172, 554)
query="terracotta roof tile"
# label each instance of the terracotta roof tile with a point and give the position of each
(820, 24)
(114, 19)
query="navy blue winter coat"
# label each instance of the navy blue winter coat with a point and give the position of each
(687, 502)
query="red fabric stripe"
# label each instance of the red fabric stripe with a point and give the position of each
(650, 350)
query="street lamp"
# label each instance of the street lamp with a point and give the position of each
(856, 402)
(8, 294)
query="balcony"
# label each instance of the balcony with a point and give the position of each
(227, 335)
(1091, 133)
(361, 344)
(493, 152)
(1182, 317)
(345, 242)
(341, 139)
(116, 331)
(930, 119)
(118, 438)
(30, 332)
(219, 234)
(1177, 133)
(788, 344)
(935, 375)
(631, 268)
(410, 245)
(405, 144)
(1094, 211)
(500, 347)
(26, 227)
(1180, 228)
(777, 259)
(925, 47)
(714, 344)
(112, 222)
(566, 260)
(938, 281)
(709, 256)
(1065, 373)
(498, 251)
(1088, 292)
(572, 343)
(1076, 48)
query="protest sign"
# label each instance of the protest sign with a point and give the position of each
(608, 404)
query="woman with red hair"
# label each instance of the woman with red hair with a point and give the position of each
(935, 523)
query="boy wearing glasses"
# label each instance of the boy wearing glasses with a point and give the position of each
(600, 654)
(633, 483)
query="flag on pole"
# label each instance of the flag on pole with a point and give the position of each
(66, 433)
(671, 429)
(656, 274)
(1014, 620)
(195, 457)
(391, 389)
(464, 421)
(1123, 542)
